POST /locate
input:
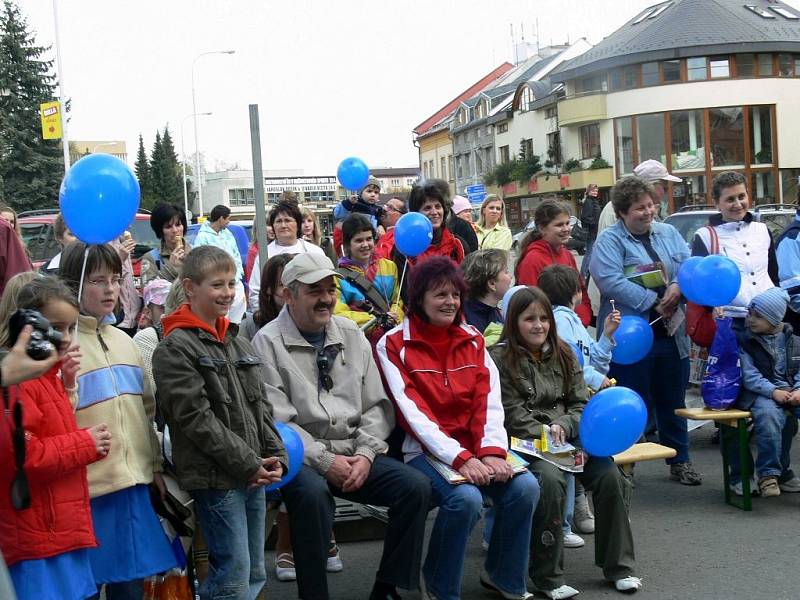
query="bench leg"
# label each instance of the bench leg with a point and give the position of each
(739, 436)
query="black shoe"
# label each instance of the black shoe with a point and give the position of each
(384, 591)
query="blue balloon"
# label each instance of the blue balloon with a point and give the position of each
(352, 173)
(413, 234)
(612, 421)
(717, 281)
(99, 198)
(634, 338)
(294, 448)
(507, 298)
(687, 277)
(578, 353)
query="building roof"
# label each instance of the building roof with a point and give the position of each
(471, 91)
(682, 28)
(395, 172)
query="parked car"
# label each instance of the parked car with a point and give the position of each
(690, 218)
(577, 237)
(40, 238)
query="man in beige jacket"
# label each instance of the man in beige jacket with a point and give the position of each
(322, 380)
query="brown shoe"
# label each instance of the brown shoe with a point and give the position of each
(684, 473)
(769, 486)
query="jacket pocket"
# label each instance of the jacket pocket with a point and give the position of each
(215, 380)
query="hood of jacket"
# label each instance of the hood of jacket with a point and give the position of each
(184, 318)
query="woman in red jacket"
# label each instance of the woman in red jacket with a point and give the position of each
(446, 390)
(545, 246)
(46, 545)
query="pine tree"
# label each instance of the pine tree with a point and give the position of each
(30, 168)
(156, 169)
(142, 168)
(171, 185)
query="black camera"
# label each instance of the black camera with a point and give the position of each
(44, 339)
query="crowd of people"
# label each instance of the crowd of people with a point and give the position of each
(404, 377)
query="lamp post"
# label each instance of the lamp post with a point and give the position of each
(183, 161)
(198, 176)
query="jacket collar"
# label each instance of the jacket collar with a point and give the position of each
(715, 220)
(463, 331)
(89, 323)
(292, 337)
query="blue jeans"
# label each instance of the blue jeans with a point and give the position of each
(660, 378)
(233, 524)
(769, 421)
(586, 258)
(459, 509)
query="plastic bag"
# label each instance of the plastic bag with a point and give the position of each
(172, 585)
(723, 376)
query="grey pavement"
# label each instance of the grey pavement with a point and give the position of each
(689, 544)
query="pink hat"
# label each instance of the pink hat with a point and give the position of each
(156, 292)
(460, 204)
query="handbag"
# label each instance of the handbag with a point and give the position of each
(700, 324)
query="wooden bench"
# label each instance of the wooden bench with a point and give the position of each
(733, 430)
(642, 452)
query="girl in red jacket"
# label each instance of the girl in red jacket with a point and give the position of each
(545, 246)
(46, 544)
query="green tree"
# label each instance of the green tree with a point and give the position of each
(171, 185)
(142, 168)
(30, 168)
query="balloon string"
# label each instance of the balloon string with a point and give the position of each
(80, 289)
(403, 275)
(656, 320)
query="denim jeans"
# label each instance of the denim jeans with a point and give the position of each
(459, 510)
(586, 258)
(769, 421)
(660, 378)
(787, 436)
(233, 524)
(310, 502)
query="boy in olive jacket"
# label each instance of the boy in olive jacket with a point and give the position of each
(224, 443)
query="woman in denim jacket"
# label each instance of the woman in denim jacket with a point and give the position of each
(661, 376)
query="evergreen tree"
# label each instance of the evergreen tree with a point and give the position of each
(142, 168)
(171, 185)
(156, 168)
(30, 168)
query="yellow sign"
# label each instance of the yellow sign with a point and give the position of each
(51, 120)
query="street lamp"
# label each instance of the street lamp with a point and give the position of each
(183, 161)
(197, 175)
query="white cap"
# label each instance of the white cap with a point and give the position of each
(652, 171)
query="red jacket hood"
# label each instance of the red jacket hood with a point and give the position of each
(184, 318)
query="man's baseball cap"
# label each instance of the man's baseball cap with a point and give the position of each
(308, 268)
(652, 170)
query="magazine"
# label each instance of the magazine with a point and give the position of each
(571, 461)
(518, 464)
(650, 275)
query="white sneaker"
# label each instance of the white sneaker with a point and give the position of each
(284, 567)
(628, 584)
(737, 489)
(334, 563)
(487, 583)
(790, 486)
(583, 519)
(573, 540)
(560, 593)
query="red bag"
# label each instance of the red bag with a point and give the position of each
(700, 324)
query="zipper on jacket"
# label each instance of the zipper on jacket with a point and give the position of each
(241, 400)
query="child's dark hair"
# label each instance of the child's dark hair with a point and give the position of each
(219, 211)
(36, 294)
(353, 225)
(546, 213)
(429, 274)
(517, 349)
(480, 267)
(560, 283)
(101, 257)
(271, 273)
(205, 260)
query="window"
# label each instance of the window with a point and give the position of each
(745, 65)
(650, 137)
(650, 73)
(551, 112)
(482, 109)
(719, 66)
(527, 148)
(443, 168)
(590, 140)
(727, 131)
(394, 183)
(763, 189)
(461, 116)
(450, 167)
(672, 70)
(696, 68)
(527, 99)
(502, 128)
(693, 190)
(505, 155)
(688, 149)
(765, 67)
(761, 12)
(624, 78)
(625, 145)
(553, 147)
(760, 135)
(241, 196)
(460, 165)
(785, 65)
(594, 83)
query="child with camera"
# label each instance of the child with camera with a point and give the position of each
(112, 389)
(45, 522)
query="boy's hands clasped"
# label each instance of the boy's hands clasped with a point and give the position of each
(270, 471)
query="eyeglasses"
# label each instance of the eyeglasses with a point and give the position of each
(324, 368)
(113, 282)
(402, 211)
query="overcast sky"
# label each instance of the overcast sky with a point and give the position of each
(331, 78)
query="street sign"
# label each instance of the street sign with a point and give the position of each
(476, 193)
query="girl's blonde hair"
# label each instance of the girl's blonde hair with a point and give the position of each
(492, 198)
(316, 234)
(8, 302)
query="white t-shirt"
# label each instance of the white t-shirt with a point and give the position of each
(274, 249)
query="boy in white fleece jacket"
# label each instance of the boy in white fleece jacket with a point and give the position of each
(562, 286)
